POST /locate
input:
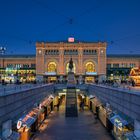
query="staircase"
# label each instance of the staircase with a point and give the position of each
(71, 102)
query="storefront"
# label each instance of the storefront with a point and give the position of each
(11, 75)
(50, 76)
(55, 101)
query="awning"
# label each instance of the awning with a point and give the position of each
(47, 102)
(27, 120)
(118, 121)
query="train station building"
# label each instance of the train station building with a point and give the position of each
(89, 59)
(51, 62)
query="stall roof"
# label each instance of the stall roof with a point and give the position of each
(27, 120)
(118, 121)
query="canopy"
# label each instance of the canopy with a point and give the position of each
(118, 121)
(27, 120)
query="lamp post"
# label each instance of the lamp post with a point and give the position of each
(2, 52)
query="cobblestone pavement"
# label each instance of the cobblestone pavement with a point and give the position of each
(84, 127)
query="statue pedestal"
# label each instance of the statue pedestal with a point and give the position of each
(71, 97)
(71, 78)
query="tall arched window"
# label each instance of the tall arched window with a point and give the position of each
(90, 67)
(51, 67)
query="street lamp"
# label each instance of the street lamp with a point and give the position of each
(2, 52)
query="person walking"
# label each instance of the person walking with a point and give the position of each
(82, 105)
(58, 106)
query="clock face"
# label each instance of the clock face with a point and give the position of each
(102, 51)
(39, 52)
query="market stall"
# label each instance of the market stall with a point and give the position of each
(27, 125)
(103, 115)
(135, 76)
(87, 101)
(94, 105)
(47, 105)
(121, 126)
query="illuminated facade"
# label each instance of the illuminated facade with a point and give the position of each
(119, 66)
(21, 67)
(89, 59)
(51, 63)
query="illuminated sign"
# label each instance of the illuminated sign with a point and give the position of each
(71, 39)
(91, 73)
(19, 124)
(50, 73)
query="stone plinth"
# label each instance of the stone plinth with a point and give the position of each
(71, 102)
(71, 78)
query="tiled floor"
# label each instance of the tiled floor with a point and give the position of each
(84, 127)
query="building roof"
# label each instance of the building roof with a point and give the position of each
(123, 55)
(108, 56)
(18, 56)
(75, 41)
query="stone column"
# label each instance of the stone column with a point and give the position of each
(101, 61)
(80, 60)
(61, 61)
(40, 61)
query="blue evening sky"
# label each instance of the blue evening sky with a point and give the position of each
(24, 22)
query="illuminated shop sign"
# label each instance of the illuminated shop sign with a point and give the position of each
(50, 73)
(91, 73)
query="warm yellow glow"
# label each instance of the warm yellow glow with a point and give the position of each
(67, 68)
(52, 78)
(90, 67)
(89, 79)
(51, 67)
(135, 75)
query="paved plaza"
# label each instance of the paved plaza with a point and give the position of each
(84, 127)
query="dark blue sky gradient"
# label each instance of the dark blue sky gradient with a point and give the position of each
(23, 22)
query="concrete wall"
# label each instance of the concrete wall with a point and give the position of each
(13, 106)
(127, 102)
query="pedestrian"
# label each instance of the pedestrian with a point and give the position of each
(58, 106)
(82, 105)
(133, 83)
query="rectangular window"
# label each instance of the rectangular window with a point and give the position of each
(17, 65)
(132, 65)
(115, 65)
(108, 65)
(33, 65)
(25, 66)
(89, 52)
(10, 65)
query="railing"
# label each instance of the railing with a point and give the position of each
(9, 89)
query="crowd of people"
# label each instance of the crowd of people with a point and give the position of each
(116, 83)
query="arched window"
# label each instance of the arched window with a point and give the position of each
(90, 67)
(51, 67)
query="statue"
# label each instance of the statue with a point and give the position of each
(71, 64)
